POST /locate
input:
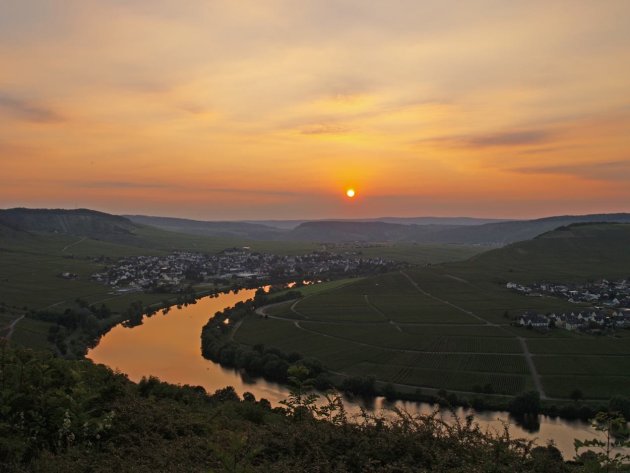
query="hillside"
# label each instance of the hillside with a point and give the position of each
(497, 233)
(92, 233)
(502, 233)
(80, 222)
(573, 252)
(291, 224)
(425, 230)
(335, 231)
(242, 230)
(36, 246)
(451, 326)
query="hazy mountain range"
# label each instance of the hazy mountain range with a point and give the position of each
(391, 229)
(99, 225)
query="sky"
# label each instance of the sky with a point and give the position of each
(239, 109)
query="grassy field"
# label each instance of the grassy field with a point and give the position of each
(432, 327)
(416, 253)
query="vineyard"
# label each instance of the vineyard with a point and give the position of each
(433, 329)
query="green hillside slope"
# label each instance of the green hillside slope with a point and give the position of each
(451, 326)
(573, 253)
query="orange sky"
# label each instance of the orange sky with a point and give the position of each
(233, 109)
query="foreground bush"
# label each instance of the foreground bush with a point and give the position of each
(72, 416)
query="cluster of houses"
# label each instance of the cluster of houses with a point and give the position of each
(611, 294)
(174, 270)
(588, 319)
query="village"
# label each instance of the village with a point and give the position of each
(610, 305)
(172, 272)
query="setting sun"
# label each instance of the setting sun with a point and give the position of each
(350, 193)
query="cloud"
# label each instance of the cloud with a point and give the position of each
(253, 192)
(500, 139)
(117, 185)
(177, 187)
(546, 149)
(28, 111)
(610, 170)
(324, 129)
(515, 138)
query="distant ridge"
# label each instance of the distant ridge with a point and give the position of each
(100, 225)
(291, 224)
(339, 231)
(579, 251)
(499, 233)
(254, 231)
(80, 222)
(503, 233)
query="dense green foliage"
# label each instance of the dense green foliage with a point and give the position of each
(272, 363)
(73, 416)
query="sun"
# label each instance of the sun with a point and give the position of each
(350, 193)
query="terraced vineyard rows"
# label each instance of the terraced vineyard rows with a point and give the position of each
(454, 380)
(386, 327)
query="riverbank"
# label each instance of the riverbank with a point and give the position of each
(272, 364)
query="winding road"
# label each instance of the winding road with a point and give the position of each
(11, 327)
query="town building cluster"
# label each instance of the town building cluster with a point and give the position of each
(605, 293)
(585, 320)
(175, 270)
(610, 308)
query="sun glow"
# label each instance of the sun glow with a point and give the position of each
(350, 193)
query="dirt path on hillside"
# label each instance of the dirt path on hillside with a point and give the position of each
(376, 309)
(73, 244)
(526, 353)
(532, 368)
(461, 309)
(262, 311)
(295, 311)
(11, 327)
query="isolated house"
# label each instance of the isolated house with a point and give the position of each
(530, 319)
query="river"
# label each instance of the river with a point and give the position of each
(169, 347)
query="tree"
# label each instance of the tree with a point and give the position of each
(301, 402)
(576, 395)
(389, 392)
(620, 404)
(526, 403)
(606, 454)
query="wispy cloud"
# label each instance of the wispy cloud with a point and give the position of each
(514, 138)
(118, 185)
(499, 139)
(610, 170)
(105, 184)
(324, 129)
(27, 110)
